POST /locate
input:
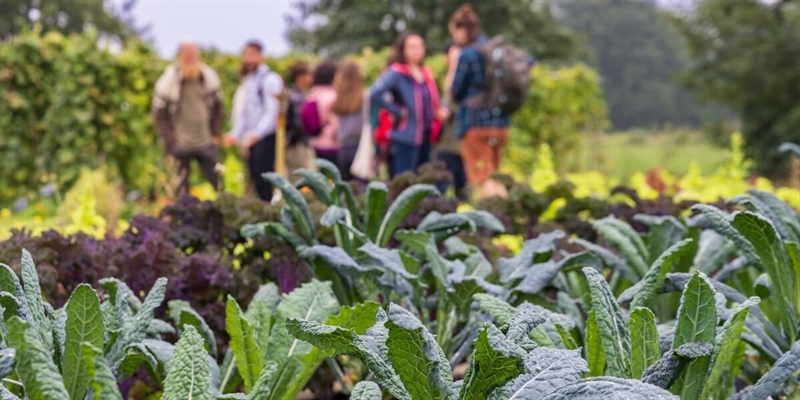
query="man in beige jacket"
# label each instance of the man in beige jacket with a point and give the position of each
(187, 109)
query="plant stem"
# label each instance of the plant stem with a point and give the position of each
(339, 374)
(441, 316)
(13, 382)
(228, 374)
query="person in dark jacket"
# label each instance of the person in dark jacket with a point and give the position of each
(187, 109)
(482, 132)
(299, 153)
(414, 105)
(448, 150)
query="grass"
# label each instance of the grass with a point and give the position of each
(625, 153)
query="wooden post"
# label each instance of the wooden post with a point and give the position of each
(280, 143)
(280, 135)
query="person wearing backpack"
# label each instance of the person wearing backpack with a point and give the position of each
(490, 83)
(318, 118)
(299, 153)
(255, 128)
(414, 105)
(448, 150)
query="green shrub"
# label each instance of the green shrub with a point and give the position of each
(70, 103)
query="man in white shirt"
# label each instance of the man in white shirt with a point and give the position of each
(255, 129)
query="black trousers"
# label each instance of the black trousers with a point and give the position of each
(262, 160)
(207, 158)
(455, 166)
(344, 160)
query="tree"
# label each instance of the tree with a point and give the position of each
(67, 16)
(746, 54)
(638, 53)
(338, 27)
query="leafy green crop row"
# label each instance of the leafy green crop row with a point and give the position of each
(696, 308)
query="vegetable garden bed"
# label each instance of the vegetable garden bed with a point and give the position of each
(379, 304)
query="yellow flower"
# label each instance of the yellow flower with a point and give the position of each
(790, 196)
(544, 173)
(511, 242)
(5, 213)
(589, 184)
(639, 183)
(203, 192)
(762, 183)
(122, 226)
(693, 180)
(38, 219)
(464, 207)
(669, 181)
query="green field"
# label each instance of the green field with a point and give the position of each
(625, 153)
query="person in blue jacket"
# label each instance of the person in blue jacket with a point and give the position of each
(483, 131)
(408, 92)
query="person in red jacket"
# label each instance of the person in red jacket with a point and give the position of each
(381, 121)
(414, 105)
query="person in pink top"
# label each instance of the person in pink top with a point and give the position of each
(323, 94)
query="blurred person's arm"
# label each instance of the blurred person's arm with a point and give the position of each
(160, 109)
(217, 116)
(236, 135)
(468, 67)
(165, 127)
(452, 64)
(376, 95)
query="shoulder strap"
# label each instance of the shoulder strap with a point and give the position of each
(260, 90)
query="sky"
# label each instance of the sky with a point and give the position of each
(224, 24)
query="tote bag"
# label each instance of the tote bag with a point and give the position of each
(363, 164)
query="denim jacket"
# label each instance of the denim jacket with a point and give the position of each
(469, 81)
(406, 95)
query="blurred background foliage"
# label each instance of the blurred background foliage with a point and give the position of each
(87, 106)
(76, 83)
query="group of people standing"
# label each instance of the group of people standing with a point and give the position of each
(403, 119)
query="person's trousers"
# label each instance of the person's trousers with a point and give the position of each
(344, 160)
(330, 155)
(262, 160)
(407, 158)
(298, 155)
(455, 166)
(482, 149)
(208, 159)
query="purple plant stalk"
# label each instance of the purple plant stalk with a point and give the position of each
(125, 387)
(288, 274)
